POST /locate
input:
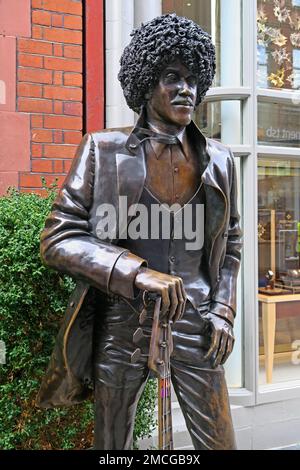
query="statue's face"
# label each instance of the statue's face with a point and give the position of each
(173, 99)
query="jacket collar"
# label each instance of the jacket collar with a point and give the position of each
(203, 147)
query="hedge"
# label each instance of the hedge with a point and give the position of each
(32, 301)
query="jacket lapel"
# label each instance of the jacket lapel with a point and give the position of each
(131, 174)
(211, 161)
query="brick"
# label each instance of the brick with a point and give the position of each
(72, 79)
(34, 47)
(57, 20)
(41, 135)
(36, 150)
(73, 109)
(63, 64)
(58, 50)
(35, 180)
(31, 181)
(63, 6)
(37, 32)
(41, 17)
(28, 60)
(28, 105)
(35, 75)
(36, 3)
(58, 107)
(63, 122)
(63, 93)
(67, 165)
(37, 121)
(29, 89)
(72, 137)
(72, 22)
(59, 151)
(58, 166)
(42, 166)
(63, 35)
(58, 78)
(58, 137)
(73, 52)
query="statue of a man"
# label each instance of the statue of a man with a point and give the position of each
(117, 256)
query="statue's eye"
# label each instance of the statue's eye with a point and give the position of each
(171, 76)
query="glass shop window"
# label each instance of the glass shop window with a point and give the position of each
(221, 120)
(279, 268)
(278, 28)
(278, 124)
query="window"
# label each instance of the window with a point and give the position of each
(279, 267)
(278, 124)
(278, 167)
(278, 29)
(262, 72)
(221, 120)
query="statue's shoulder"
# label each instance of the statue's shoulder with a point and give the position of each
(111, 139)
(218, 149)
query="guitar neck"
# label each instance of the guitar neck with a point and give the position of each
(161, 347)
(165, 431)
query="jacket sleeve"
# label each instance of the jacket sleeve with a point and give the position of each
(67, 243)
(224, 298)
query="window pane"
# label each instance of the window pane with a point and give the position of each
(279, 268)
(225, 29)
(221, 120)
(278, 124)
(278, 25)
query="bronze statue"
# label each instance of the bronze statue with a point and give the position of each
(164, 160)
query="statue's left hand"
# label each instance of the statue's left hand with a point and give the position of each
(222, 339)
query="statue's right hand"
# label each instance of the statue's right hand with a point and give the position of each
(170, 288)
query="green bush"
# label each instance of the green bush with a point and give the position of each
(32, 301)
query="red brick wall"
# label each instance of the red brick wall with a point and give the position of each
(49, 89)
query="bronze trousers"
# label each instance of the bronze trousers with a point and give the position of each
(200, 389)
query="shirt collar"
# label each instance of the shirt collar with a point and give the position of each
(158, 147)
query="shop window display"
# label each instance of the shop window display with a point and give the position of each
(278, 28)
(279, 267)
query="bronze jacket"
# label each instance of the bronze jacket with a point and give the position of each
(109, 164)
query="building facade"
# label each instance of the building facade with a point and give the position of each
(59, 80)
(46, 101)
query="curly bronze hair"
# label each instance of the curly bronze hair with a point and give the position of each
(158, 43)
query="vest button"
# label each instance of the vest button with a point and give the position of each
(172, 259)
(176, 169)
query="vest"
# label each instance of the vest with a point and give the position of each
(168, 249)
